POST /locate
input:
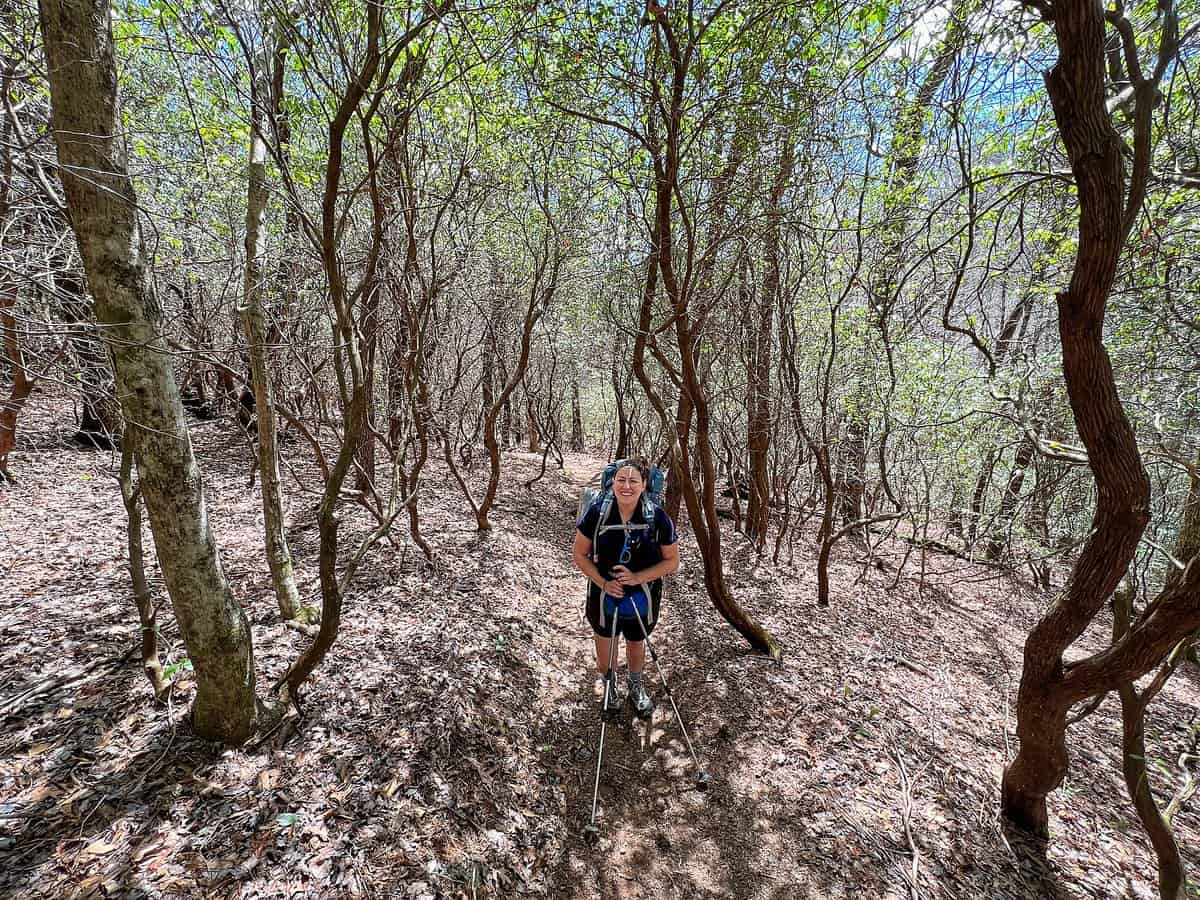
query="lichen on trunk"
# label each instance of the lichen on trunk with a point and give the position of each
(104, 215)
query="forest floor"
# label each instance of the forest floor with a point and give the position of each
(448, 748)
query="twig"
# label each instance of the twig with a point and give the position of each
(167, 749)
(907, 784)
(1087, 709)
(913, 706)
(14, 704)
(1187, 762)
(266, 735)
(307, 630)
(909, 664)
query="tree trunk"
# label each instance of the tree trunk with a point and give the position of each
(1011, 334)
(104, 214)
(1076, 89)
(758, 426)
(349, 362)
(147, 614)
(1001, 534)
(979, 495)
(826, 538)
(364, 460)
(1171, 878)
(23, 384)
(410, 415)
(541, 293)
(853, 466)
(904, 156)
(576, 418)
(535, 436)
(100, 422)
(491, 340)
(678, 470)
(700, 498)
(279, 557)
(621, 451)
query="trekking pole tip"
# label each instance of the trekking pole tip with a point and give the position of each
(702, 780)
(591, 835)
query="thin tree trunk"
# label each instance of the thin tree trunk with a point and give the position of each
(364, 461)
(979, 495)
(1008, 340)
(279, 557)
(678, 471)
(407, 379)
(352, 389)
(853, 466)
(1047, 474)
(23, 384)
(576, 418)
(1001, 535)
(758, 428)
(147, 614)
(104, 214)
(535, 437)
(359, 84)
(825, 532)
(1171, 878)
(621, 451)
(100, 422)
(700, 499)
(492, 341)
(904, 156)
(540, 295)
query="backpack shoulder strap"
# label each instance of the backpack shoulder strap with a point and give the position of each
(606, 502)
(650, 510)
(650, 514)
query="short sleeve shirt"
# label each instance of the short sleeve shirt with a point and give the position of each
(644, 544)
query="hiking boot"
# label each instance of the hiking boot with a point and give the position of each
(615, 697)
(642, 705)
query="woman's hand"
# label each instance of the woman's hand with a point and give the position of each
(613, 588)
(626, 577)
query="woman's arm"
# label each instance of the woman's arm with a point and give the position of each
(667, 566)
(583, 562)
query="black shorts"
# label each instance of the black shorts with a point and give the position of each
(629, 628)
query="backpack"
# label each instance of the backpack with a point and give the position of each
(598, 492)
(599, 489)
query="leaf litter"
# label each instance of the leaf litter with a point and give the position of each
(448, 745)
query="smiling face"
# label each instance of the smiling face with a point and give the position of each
(628, 484)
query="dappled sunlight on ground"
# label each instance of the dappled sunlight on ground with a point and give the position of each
(448, 748)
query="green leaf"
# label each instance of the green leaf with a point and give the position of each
(184, 665)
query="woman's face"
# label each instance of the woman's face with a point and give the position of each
(628, 483)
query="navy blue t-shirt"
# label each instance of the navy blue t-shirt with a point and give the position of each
(645, 545)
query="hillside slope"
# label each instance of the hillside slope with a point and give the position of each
(448, 746)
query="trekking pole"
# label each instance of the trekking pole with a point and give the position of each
(590, 832)
(702, 777)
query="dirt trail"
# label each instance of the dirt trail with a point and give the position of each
(447, 751)
(647, 774)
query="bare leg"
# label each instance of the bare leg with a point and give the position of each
(635, 655)
(603, 650)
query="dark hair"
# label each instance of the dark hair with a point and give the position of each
(637, 462)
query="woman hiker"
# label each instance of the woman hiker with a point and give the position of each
(628, 564)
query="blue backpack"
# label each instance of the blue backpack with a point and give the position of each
(598, 493)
